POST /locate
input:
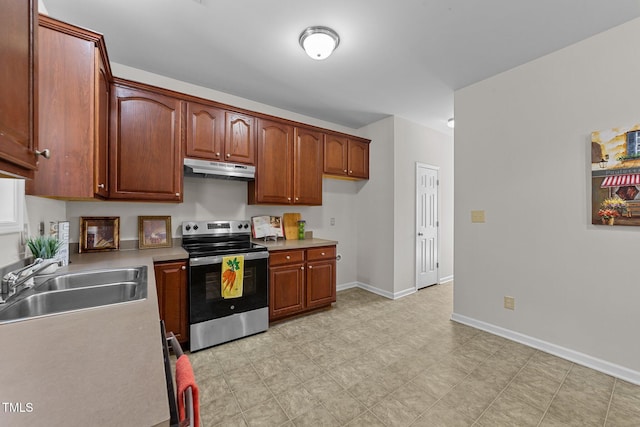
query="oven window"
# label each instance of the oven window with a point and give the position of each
(213, 284)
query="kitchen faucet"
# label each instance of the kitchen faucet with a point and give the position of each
(16, 281)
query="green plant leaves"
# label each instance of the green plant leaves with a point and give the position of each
(44, 247)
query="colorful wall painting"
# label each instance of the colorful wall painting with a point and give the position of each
(615, 176)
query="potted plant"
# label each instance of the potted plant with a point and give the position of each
(611, 208)
(45, 247)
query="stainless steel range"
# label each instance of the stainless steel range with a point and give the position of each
(217, 314)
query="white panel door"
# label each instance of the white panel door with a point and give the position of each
(426, 225)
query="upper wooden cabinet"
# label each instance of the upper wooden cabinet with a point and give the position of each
(289, 166)
(346, 157)
(214, 133)
(145, 140)
(74, 78)
(18, 87)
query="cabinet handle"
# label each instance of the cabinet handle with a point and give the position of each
(218, 154)
(46, 153)
(311, 266)
(184, 267)
(228, 155)
(345, 171)
(177, 194)
(350, 172)
(297, 198)
(288, 257)
(302, 268)
(322, 253)
(289, 198)
(100, 185)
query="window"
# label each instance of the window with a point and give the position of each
(633, 143)
(11, 205)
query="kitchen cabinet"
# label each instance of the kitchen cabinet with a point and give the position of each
(18, 88)
(171, 285)
(301, 280)
(74, 78)
(346, 157)
(145, 144)
(217, 134)
(289, 166)
(321, 277)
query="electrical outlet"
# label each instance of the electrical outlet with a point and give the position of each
(510, 303)
(332, 221)
(477, 216)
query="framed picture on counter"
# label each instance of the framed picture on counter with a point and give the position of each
(154, 232)
(99, 233)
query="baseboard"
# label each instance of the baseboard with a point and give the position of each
(374, 290)
(445, 279)
(566, 353)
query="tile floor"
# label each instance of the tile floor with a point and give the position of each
(371, 362)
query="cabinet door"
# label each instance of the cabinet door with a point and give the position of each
(145, 145)
(239, 144)
(321, 285)
(171, 283)
(358, 159)
(18, 94)
(101, 167)
(286, 290)
(67, 90)
(335, 154)
(273, 169)
(307, 167)
(205, 131)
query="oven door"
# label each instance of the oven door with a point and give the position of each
(205, 287)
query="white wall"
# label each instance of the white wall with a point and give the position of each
(522, 154)
(374, 212)
(414, 143)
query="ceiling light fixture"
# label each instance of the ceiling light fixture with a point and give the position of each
(319, 42)
(451, 123)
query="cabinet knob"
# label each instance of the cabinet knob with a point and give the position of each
(217, 154)
(184, 267)
(100, 185)
(289, 198)
(228, 155)
(288, 257)
(297, 198)
(350, 172)
(177, 194)
(311, 266)
(322, 253)
(46, 153)
(302, 268)
(345, 171)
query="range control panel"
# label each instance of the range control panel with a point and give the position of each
(195, 228)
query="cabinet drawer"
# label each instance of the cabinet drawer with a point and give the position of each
(325, 252)
(285, 257)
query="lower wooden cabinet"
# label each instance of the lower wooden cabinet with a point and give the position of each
(301, 280)
(171, 283)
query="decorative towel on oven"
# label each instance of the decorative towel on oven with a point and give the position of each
(232, 276)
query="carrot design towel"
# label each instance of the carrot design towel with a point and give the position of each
(232, 276)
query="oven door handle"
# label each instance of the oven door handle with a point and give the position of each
(217, 259)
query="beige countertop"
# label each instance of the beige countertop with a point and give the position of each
(283, 244)
(101, 367)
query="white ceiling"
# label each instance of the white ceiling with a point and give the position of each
(396, 57)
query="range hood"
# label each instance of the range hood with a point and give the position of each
(220, 170)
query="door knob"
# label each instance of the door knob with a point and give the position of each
(46, 153)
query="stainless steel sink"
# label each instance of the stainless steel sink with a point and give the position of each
(69, 292)
(83, 279)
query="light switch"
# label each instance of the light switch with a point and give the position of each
(477, 216)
